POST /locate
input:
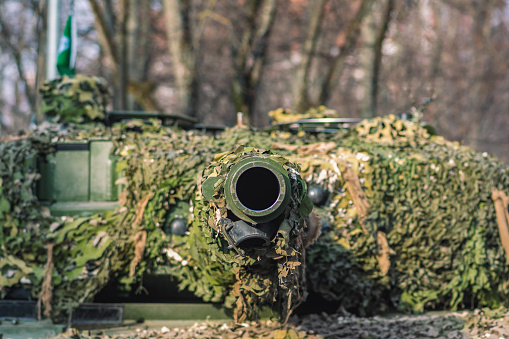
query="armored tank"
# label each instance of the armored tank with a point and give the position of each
(369, 215)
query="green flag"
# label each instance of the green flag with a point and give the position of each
(66, 61)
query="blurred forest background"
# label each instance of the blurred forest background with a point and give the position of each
(212, 58)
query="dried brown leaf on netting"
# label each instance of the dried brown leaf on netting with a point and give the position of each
(241, 309)
(501, 204)
(141, 208)
(9, 138)
(314, 226)
(47, 284)
(277, 145)
(319, 148)
(384, 253)
(357, 193)
(140, 241)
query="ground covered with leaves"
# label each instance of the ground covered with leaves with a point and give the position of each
(480, 323)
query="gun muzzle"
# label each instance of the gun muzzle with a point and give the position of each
(257, 189)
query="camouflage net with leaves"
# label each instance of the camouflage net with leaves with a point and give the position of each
(78, 98)
(410, 219)
(427, 237)
(54, 257)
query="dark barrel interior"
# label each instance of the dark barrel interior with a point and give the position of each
(257, 188)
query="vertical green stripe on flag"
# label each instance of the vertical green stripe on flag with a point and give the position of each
(66, 60)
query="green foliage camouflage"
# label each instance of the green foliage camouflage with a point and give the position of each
(426, 239)
(78, 98)
(27, 229)
(431, 200)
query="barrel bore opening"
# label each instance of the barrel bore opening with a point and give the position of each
(257, 188)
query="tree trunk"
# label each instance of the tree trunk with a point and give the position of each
(41, 56)
(183, 54)
(105, 30)
(482, 83)
(366, 54)
(122, 78)
(436, 64)
(250, 54)
(301, 87)
(373, 35)
(139, 45)
(240, 51)
(119, 37)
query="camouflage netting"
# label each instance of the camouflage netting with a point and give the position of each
(410, 220)
(40, 251)
(75, 99)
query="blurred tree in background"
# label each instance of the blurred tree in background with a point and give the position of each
(212, 58)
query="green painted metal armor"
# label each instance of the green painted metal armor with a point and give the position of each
(79, 178)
